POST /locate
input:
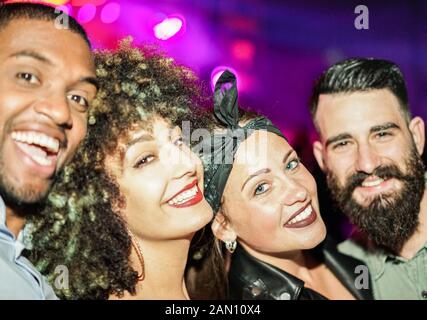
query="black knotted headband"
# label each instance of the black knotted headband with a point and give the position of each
(218, 157)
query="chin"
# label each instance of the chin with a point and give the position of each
(315, 237)
(196, 220)
(202, 220)
(29, 193)
(204, 212)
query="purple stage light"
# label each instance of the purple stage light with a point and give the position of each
(169, 27)
(243, 50)
(110, 12)
(218, 71)
(86, 13)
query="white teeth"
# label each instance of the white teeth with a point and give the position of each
(42, 161)
(30, 139)
(372, 183)
(184, 196)
(303, 215)
(37, 138)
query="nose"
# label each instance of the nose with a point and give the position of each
(182, 163)
(293, 191)
(55, 107)
(367, 159)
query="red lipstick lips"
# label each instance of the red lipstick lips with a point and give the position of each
(192, 197)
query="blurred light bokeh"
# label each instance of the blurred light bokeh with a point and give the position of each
(277, 47)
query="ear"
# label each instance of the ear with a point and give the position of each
(416, 126)
(222, 228)
(318, 154)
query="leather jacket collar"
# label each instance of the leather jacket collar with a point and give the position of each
(252, 279)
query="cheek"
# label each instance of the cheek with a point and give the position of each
(143, 196)
(341, 167)
(148, 190)
(11, 106)
(395, 152)
(258, 219)
(309, 182)
(78, 132)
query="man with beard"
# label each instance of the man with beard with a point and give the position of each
(46, 84)
(370, 148)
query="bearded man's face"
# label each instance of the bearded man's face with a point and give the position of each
(371, 155)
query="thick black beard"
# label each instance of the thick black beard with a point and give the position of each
(390, 219)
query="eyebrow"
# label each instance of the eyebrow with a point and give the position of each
(91, 80)
(33, 55)
(257, 173)
(142, 138)
(385, 126)
(381, 127)
(265, 170)
(336, 138)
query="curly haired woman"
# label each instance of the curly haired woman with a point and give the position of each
(124, 212)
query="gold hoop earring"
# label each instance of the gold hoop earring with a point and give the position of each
(138, 251)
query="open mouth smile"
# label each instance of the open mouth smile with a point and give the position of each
(375, 185)
(302, 218)
(188, 196)
(41, 148)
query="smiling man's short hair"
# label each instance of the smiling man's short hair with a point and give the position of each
(361, 75)
(36, 11)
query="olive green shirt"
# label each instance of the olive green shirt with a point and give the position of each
(392, 277)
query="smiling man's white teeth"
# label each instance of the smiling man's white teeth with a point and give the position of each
(303, 215)
(30, 138)
(372, 183)
(42, 161)
(37, 138)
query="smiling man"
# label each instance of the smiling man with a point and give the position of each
(47, 81)
(370, 148)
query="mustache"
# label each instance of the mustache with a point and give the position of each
(388, 220)
(384, 172)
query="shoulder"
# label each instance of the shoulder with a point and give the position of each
(351, 248)
(346, 261)
(253, 279)
(48, 292)
(357, 247)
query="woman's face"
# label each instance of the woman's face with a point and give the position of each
(271, 199)
(162, 181)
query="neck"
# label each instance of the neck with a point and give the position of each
(419, 238)
(164, 263)
(14, 222)
(296, 263)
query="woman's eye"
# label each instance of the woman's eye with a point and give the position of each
(293, 164)
(179, 142)
(261, 188)
(79, 100)
(144, 161)
(28, 77)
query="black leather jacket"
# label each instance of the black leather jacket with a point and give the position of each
(252, 279)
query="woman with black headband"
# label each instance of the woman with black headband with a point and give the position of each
(267, 212)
